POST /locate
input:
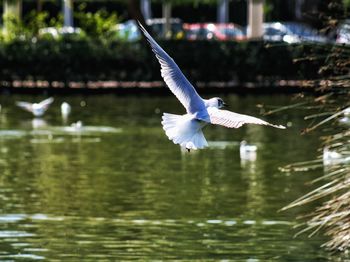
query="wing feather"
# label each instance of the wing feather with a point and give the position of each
(234, 120)
(25, 105)
(174, 78)
(45, 103)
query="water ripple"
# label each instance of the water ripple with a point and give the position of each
(23, 256)
(11, 218)
(15, 234)
(9, 134)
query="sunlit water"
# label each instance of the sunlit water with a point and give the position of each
(118, 189)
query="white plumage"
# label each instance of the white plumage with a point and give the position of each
(65, 109)
(345, 120)
(247, 152)
(346, 111)
(77, 125)
(37, 109)
(186, 130)
(233, 120)
(332, 157)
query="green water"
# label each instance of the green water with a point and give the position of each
(118, 189)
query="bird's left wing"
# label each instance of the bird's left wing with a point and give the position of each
(174, 78)
(45, 103)
(25, 105)
(233, 120)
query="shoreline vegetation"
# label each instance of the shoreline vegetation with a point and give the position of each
(329, 113)
(77, 64)
(278, 86)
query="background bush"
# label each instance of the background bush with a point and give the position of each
(82, 59)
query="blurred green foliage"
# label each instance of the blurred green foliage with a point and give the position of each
(346, 3)
(99, 24)
(15, 28)
(34, 21)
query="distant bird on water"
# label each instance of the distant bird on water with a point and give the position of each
(37, 109)
(345, 120)
(247, 152)
(65, 111)
(186, 130)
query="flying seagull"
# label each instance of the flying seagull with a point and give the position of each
(186, 130)
(37, 109)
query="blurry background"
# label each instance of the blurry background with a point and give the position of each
(79, 43)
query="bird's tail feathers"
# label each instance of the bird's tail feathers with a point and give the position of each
(184, 131)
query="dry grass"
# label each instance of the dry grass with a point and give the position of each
(332, 217)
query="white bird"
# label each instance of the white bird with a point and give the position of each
(37, 109)
(345, 120)
(65, 109)
(186, 130)
(247, 152)
(346, 111)
(331, 157)
(77, 126)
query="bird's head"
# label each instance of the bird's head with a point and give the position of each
(217, 102)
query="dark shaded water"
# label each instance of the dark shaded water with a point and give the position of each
(118, 189)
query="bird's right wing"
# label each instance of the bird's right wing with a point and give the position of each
(174, 78)
(45, 103)
(234, 120)
(25, 105)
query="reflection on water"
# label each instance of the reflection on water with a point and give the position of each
(8, 134)
(138, 238)
(85, 130)
(222, 144)
(58, 134)
(65, 140)
(118, 189)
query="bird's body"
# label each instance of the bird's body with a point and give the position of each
(245, 147)
(332, 157)
(65, 109)
(345, 120)
(186, 130)
(77, 126)
(37, 109)
(346, 111)
(247, 152)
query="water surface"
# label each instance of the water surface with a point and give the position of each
(119, 189)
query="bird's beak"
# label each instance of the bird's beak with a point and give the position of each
(225, 105)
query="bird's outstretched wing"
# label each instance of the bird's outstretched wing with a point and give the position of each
(233, 120)
(45, 103)
(25, 105)
(174, 78)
